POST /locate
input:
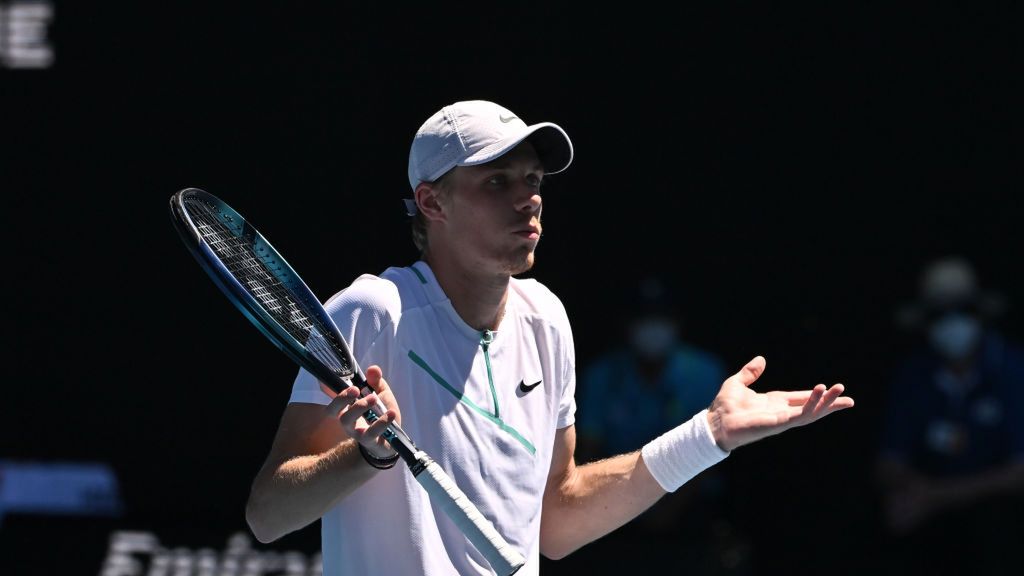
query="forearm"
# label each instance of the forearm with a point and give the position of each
(583, 503)
(594, 499)
(297, 492)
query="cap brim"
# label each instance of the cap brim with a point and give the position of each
(552, 144)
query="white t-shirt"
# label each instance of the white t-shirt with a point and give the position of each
(488, 417)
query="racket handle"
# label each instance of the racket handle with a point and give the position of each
(481, 533)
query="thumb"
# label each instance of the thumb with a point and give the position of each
(375, 379)
(751, 372)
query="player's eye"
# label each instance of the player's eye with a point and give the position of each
(497, 180)
(534, 180)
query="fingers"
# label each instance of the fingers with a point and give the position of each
(348, 407)
(369, 434)
(834, 400)
(343, 400)
(842, 403)
(751, 372)
(814, 400)
(348, 396)
(830, 397)
(819, 402)
(386, 399)
(375, 378)
(379, 426)
(350, 417)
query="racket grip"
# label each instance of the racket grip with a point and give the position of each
(481, 533)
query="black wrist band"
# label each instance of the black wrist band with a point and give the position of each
(379, 463)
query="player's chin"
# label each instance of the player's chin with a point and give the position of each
(522, 262)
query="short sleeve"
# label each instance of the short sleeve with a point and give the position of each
(567, 404)
(363, 312)
(565, 353)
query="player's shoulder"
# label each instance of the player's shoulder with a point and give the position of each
(376, 295)
(368, 290)
(388, 293)
(534, 298)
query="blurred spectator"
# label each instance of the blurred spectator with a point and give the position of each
(951, 464)
(650, 382)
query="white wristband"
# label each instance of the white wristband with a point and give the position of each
(683, 452)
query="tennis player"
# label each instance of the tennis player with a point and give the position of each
(481, 371)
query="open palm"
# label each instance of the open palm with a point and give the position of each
(739, 415)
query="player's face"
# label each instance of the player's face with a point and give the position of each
(494, 212)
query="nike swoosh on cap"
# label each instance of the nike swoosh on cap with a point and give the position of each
(506, 119)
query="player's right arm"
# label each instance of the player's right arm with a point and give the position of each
(314, 460)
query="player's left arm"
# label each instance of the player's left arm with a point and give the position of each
(583, 503)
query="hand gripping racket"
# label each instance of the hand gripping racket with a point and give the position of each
(275, 299)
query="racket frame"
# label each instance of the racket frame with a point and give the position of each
(502, 557)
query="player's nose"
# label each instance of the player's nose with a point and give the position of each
(529, 201)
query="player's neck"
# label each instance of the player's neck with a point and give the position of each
(478, 297)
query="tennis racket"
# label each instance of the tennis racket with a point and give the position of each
(275, 299)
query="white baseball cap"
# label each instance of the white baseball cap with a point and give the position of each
(475, 132)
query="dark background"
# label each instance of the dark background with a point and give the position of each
(791, 168)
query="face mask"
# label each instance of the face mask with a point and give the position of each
(653, 339)
(955, 335)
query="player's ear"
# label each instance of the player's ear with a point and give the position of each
(428, 201)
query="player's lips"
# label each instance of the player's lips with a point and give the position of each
(531, 232)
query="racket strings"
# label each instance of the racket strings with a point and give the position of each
(256, 275)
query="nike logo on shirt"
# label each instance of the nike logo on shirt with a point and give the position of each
(525, 388)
